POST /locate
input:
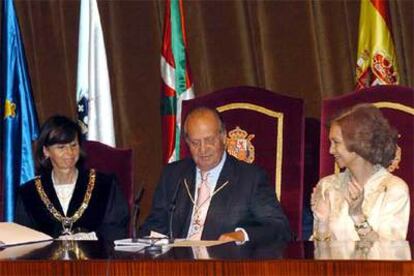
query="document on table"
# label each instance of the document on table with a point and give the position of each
(158, 239)
(16, 251)
(189, 243)
(138, 245)
(15, 234)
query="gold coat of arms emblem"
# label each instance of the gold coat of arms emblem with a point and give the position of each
(239, 144)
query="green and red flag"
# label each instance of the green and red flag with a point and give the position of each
(176, 78)
(376, 58)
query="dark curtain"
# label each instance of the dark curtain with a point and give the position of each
(305, 49)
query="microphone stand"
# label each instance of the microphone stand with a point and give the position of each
(135, 215)
(172, 210)
(170, 233)
(155, 248)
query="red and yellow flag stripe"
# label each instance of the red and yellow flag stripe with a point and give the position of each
(376, 58)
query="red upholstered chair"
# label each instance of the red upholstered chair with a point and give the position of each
(311, 172)
(268, 129)
(397, 105)
(112, 160)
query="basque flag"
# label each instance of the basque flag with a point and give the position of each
(176, 78)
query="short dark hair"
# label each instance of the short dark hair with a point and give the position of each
(367, 132)
(202, 110)
(57, 129)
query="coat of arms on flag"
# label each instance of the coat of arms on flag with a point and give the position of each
(376, 60)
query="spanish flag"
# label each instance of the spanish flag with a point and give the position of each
(376, 59)
(177, 85)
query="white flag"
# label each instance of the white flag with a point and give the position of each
(93, 94)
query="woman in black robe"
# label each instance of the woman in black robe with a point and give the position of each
(65, 198)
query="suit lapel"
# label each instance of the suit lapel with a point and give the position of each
(184, 201)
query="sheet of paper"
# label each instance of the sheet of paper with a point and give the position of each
(130, 248)
(13, 252)
(189, 243)
(81, 236)
(141, 242)
(13, 234)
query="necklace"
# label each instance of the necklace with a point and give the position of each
(67, 222)
(196, 208)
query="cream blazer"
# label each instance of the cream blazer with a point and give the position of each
(386, 205)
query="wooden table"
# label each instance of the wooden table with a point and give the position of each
(295, 258)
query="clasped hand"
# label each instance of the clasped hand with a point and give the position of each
(320, 204)
(354, 197)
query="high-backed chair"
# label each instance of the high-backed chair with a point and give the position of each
(397, 105)
(112, 160)
(311, 172)
(268, 129)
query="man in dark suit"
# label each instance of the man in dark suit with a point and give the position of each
(240, 205)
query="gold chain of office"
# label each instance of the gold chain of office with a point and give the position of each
(81, 209)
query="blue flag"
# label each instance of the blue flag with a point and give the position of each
(20, 125)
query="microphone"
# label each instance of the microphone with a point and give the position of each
(135, 214)
(172, 210)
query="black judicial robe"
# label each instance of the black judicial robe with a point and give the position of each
(107, 212)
